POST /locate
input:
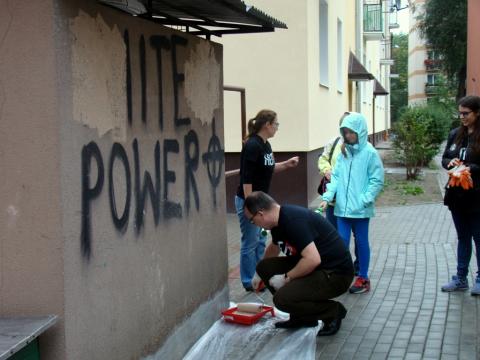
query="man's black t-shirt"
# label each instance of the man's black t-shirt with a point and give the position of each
(297, 227)
(256, 165)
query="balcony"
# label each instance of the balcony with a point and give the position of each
(431, 89)
(372, 22)
(432, 65)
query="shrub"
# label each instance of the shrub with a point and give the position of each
(419, 134)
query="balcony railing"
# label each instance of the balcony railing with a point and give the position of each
(431, 89)
(373, 21)
(432, 65)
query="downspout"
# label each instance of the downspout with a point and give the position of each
(358, 49)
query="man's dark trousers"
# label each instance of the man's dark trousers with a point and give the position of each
(308, 297)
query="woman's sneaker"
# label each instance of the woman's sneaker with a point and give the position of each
(476, 287)
(457, 284)
(360, 285)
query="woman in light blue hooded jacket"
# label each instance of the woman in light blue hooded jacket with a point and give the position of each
(357, 179)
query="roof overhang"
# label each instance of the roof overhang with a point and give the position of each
(356, 71)
(201, 17)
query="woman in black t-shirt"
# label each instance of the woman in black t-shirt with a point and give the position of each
(463, 147)
(257, 165)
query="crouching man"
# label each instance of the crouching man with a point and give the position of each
(317, 266)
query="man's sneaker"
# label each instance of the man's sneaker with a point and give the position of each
(360, 285)
(476, 287)
(456, 284)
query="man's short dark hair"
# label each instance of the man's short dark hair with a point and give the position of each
(257, 201)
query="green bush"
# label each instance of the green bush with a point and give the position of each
(418, 135)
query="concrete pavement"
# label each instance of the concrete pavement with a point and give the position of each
(405, 315)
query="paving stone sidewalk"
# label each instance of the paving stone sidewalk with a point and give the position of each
(405, 315)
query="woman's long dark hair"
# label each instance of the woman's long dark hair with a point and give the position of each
(472, 103)
(263, 117)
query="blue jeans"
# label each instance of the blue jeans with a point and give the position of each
(468, 227)
(332, 219)
(253, 245)
(360, 233)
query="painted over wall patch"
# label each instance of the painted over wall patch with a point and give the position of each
(202, 82)
(99, 75)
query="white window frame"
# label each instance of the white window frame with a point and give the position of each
(323, 42)
(339, 55)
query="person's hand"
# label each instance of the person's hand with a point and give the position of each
(323, 205)
(292, 162)
(454, 162)
(257, 283)
(277, 281)
(328, 175)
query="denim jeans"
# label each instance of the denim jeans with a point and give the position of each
(468, 227)
(360, 233)
(330, 216)
(332, 219)
(253, 245)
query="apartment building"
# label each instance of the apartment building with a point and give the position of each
(332, 58)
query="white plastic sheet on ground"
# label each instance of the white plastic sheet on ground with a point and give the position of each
(258, 341)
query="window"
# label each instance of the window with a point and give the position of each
(431, 79)
(339, 55)
(323, 37)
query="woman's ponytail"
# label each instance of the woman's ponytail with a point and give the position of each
(258, 122)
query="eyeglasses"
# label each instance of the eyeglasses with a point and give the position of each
(276, 124)
(464, 113)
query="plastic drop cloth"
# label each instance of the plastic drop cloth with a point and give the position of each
(259, 341)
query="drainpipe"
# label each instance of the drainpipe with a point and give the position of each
(358, 49)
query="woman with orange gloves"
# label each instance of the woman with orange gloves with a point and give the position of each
(462, 195)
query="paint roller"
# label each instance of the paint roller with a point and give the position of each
(248, 308)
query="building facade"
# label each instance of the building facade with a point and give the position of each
(302, 74)
(424, 74)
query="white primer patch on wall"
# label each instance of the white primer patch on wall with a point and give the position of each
(99, 101)
(202, 82)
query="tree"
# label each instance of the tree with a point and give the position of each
(444, 25)
(399, 87)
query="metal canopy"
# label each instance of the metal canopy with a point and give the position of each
(356, 71)
(378, 89)
(201, 17)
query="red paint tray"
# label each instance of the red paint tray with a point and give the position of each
(234, 316)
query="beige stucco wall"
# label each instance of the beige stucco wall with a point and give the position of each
(417, 53)
(280, 70)
(373, 51)
(64, 89)
(328, 103)
(273, 69)
(31, 242)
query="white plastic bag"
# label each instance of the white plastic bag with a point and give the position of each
(256, 342)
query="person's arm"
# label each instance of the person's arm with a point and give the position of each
(247, 190)
(474, 168)
(375, 179)
(272, 250)
(308, 263)
(328, 195)
(447, 161)
(324, 166)
(287, 164)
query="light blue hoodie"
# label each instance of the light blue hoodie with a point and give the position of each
(357, 178)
